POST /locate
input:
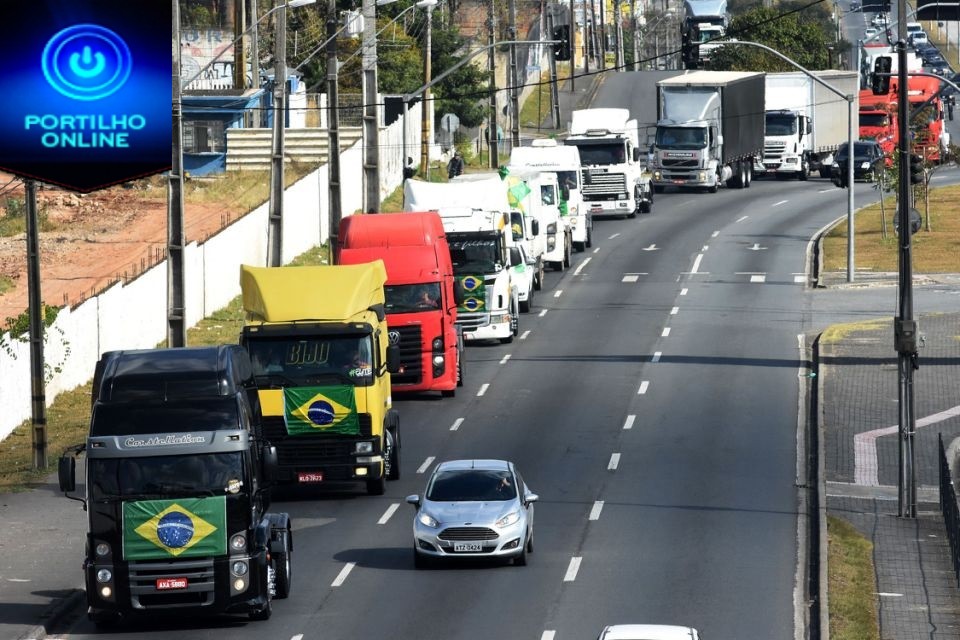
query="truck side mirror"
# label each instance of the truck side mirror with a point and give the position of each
(271, 463)
(457, 292)
(636, 154)
(393, 358)
(535, 227)
(67, 472)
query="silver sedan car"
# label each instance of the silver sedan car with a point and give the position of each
(473, 509)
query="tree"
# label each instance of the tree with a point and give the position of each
(795, 35)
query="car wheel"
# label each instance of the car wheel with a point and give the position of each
(530, 543)
(521, 560)
(283, 568)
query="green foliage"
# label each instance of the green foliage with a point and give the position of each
(802, 36)
(18, 329)
(463, 90)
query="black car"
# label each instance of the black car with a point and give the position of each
(940, 67)
(867, 162)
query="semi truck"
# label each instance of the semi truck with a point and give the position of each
(705, 21)
(421, 294)
(878, 121)
(319, 345)
(177, 488)
(535, 196)
(476, 218)
(805, 122)
(709, 130)
(614, 178)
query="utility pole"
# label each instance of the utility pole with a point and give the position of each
(333, 133)
(554, 92)
(371, 111)
(255, 51)
(603, 35)
(492, 68)
(573, 47)
(275, 216)
(425, 102)
(905, 327)
(176, 282)
(634, 35)
(240, 49)
(515, 79)
(37, 388)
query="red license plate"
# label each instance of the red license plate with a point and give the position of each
(164, 584)
(309, 476)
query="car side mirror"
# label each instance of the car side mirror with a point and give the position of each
(414, 500)
(531, 497)
(67, 473)
(393, 358)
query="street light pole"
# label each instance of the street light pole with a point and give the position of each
(494, 160)
(275, 216)
(425, 103)
(335, 212)
(371, 111)
(176, 281)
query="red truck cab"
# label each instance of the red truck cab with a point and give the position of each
(878, 121)
(421, 299)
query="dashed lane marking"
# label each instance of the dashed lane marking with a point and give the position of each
(548, 634)
(558, 293)
(523, 336)
(742, 218)
(483, 389)
(696, 263)
(714, 234)
(456, 424)
(614, 462)
(544, 312)
(760, 278)
(777, 204)
(426, 464)
(504, 359)
(342, 577)
(580, 266)
(799, 279)
(674, 311)
(613, 236)
(595, 512)
(683, 291)
(628, 423)
(643, 387)
(665, 332)
(389, 512)
(630, 277)
(656, 356)
(597, 250)
(572, 569)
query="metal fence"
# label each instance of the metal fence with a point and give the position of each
(948, 506)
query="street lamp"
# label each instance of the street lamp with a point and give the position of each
(648, 27)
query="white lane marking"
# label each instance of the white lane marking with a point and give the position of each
(825, 190)
(628, 423)
(676, 310)
(758, 278)
(748, 273)
(777, 204)
(523, 336)
(630, 278)
(652, 247)
(597, 250)
(643, 387)
(614, 462)
(558, 293)
(666, 330)
(340, 579)
(429, 461)
(544, 312)
(865, 468)
(742, 218)
(580, 266)
(504, 359)
(548, 634)
(595, 512)
(459, 421)
(572, 569)
(696, 263)
(888, 594)
(714, 234)
(706, 247)
(683, 291)
(799, 279)
(299, 636)
(656, 356)
(613, 236)
(483, 389)
(389, 512)
(756, 247)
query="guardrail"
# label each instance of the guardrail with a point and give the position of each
(949, 508)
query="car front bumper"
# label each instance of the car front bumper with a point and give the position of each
(442, 542)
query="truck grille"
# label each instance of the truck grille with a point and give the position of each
(774, 148)
(310, 450)
(200, 583)
(673, 163)
(411, 362)
(472, 321)
(468, 533)
(600, 186)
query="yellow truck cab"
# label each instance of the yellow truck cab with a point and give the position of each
(318, 342)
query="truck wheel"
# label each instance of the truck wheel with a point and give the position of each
(589, 242)
(538, 279)
(394, 456)
(567, 251)
(749, 173)
(645, 207)
(713, 189)
(283, 568)
(804, 173)
(825, 172)
(460, 370)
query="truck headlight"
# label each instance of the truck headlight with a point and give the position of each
(702, 176)
(239, 568)
(363, 447)
(238, 542)
(551, 243)
(437, 344)
(864, 165)
(104, 575)
(657, 175)
(102, 549)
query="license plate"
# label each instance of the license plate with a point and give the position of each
(165, 584)
(467, 547)
(309, 476)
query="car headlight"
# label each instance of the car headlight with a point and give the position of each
(511, 518)
(835, 165)
(864, 165)
(363, 447)
(427, 520)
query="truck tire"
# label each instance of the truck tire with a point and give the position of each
(394, 454)
(264, 613)
(804, 174)
(538, 278)
(567, 252)
(589, 242)
(460, 369)
(749, 173)
(825, 172)
(283, 569)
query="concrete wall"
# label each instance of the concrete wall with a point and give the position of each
(133, 315)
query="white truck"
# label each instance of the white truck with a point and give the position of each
(576, 223)
(805, 122)
(535, 218)
(476, 218)
(615, 181)
(710, 19)
(709, 130)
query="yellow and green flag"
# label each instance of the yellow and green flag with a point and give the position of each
(165, 529)
(474, 294)
(330, 409)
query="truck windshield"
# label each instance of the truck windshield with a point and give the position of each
(603, 153)
(781, 124)
(300, 361)
(158, 477)
(412, 298)
(681, 138)
(874, 120)
(473, 256)
(199, 414)
(568, 179)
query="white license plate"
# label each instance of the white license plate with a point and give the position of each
(307, 477)
(467, 547)
(164, 584)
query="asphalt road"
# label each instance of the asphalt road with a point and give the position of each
(653, 401)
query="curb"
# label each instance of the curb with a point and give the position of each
(58, 611)
(823, 542)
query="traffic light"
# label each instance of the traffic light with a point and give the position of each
(916, 169)
(690, 47)
(880, 82)
(561, 50)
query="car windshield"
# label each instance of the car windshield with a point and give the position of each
(290, 362)
(165, 476)
(471, 485)
(472, 256)
(781, 124)
(681, 137)
(412, 298)
(874, 120)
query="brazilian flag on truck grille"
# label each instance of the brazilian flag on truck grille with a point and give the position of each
(330, 409)
(165, 529)
(474, 294)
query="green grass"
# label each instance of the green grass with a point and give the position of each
(852, 584)
(69, 415)
(5, 284)
(837, 332)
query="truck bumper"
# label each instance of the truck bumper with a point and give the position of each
(485, 326)
(677, 179)
(610, 208)
(438, 372)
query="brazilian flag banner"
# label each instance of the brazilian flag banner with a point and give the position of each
(165, 529)
(474, 294)
(330, 409)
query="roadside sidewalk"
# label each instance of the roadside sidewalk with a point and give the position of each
(917, 593)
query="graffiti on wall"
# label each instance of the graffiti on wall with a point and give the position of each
(198, 50)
